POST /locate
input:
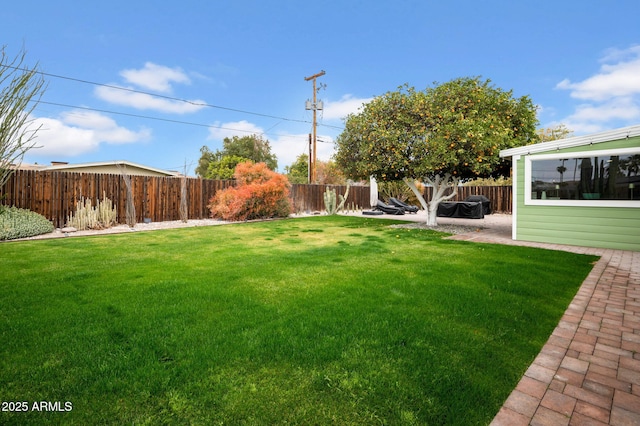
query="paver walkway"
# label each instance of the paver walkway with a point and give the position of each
(588, 372)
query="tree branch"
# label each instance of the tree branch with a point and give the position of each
(19, 87)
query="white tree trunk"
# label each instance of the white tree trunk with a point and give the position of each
(432, 215)
(439, 187)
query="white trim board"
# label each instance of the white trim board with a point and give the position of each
(610, 135)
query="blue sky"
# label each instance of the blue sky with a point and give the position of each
(241, 65)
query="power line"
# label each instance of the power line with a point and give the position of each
(168, 120)
(129, 114)
(203, 104)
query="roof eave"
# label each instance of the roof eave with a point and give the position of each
(112, 163)
(609, 135)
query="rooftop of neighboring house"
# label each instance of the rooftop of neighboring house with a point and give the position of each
(109, 167)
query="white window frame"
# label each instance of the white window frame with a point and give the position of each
(575, 203)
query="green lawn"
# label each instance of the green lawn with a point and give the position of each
(324, 320)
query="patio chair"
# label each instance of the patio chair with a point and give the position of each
(407, 208)
(385, 208)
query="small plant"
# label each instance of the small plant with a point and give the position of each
(331, 203)
(102, 215)
(21, 223)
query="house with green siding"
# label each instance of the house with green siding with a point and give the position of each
(582, 191)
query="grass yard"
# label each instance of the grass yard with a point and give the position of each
(323, 320)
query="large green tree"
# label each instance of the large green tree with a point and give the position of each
(253, 148)
(327, 171)
(438, 136)
(298, 171)
(224, 167)
(206, 157)
(20, 90)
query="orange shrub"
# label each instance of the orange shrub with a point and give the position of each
(260, 194)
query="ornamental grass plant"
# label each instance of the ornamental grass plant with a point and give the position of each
(320, 320)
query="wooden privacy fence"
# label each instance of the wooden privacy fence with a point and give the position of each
(310, 197)
(55, 194)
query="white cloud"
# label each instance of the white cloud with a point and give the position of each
(620, 55)
(219, 131)
(56, 138)
(155, 77)
(336, 110)
(618, 109)
(144, 101)
(78, 132)
(622, 79)
(325, 147)
(288, 147)
(613, 80)
(612, 95)
(591, 118)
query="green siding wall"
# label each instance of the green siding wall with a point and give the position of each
(606, 227)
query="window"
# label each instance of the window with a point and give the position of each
(588, 178)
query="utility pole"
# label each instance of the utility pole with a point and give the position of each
(314, 105)
(309, 173)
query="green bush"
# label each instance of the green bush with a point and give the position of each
(21, 223)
